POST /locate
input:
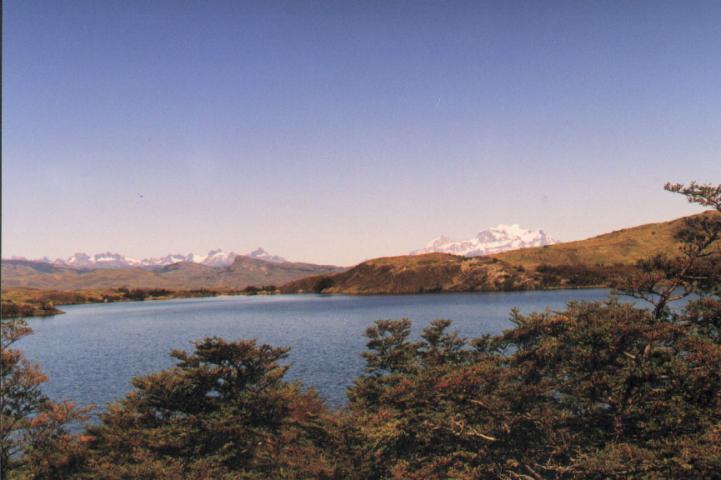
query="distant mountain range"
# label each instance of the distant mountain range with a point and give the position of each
(242, 272)
(490, 241)
(214, 258)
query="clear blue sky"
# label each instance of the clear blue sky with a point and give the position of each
(338, 131)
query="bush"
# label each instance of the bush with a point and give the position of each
(223, 412)
(322, 284)
(34, 438)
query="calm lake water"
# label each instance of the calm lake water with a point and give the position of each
(93, 351)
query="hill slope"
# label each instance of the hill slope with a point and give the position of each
(584, 263)
(622, 247)
(432, 272)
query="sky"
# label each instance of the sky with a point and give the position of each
(333, 132)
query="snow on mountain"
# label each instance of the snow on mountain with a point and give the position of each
(195, 258)
(214, 258)
(261, 254)
(492, 240)
(166, 260)
(79, 260)
(99, 260)
(218, 258)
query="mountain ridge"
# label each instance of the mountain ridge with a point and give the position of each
(214, 258)
(489, 241)
(243, 272)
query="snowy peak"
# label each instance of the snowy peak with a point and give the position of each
(438, 242)
(99, 260)
(214, 258)
(260, 254)
(218, 258)
(166, 260)
(489, 241)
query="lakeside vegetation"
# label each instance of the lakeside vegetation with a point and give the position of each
(31, 302)
(598, 390)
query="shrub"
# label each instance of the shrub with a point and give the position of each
(223, 412)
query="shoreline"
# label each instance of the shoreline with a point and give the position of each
(48, 308)
(22, 302)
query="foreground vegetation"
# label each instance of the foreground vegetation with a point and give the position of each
(598, 390)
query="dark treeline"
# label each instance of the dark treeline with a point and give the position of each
(265, 289)
(598, 390)
(21, 302)
(580, 276)
(140, 294)
(9, 309)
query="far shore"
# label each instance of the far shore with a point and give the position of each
(24, 302)
(21, 302)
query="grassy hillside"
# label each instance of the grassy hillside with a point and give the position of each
(622, 247)
(433, 272)
(586, 263)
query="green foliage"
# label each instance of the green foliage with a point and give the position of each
(11, 309)
(322, 284)
(576, 276)
(140, 294)
(663, 279)
(253, 290)
(600, 389)
(223, 412)
(34, 440)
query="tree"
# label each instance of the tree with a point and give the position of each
(323, 283)
(34, 438)
(664, 279)
(223, 411)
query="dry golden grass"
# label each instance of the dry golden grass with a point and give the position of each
(622, 247)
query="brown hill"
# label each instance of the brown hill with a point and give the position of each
(243, 272)
(585, 263)
(433, 272)
(623, 247)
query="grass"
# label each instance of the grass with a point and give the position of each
(622, 247)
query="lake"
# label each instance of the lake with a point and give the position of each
(93, 351)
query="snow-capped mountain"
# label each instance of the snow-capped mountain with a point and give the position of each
(99, 260)
(492, 240)
(218, 258)
(214, 258)
(261, 254)
(166, 260)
